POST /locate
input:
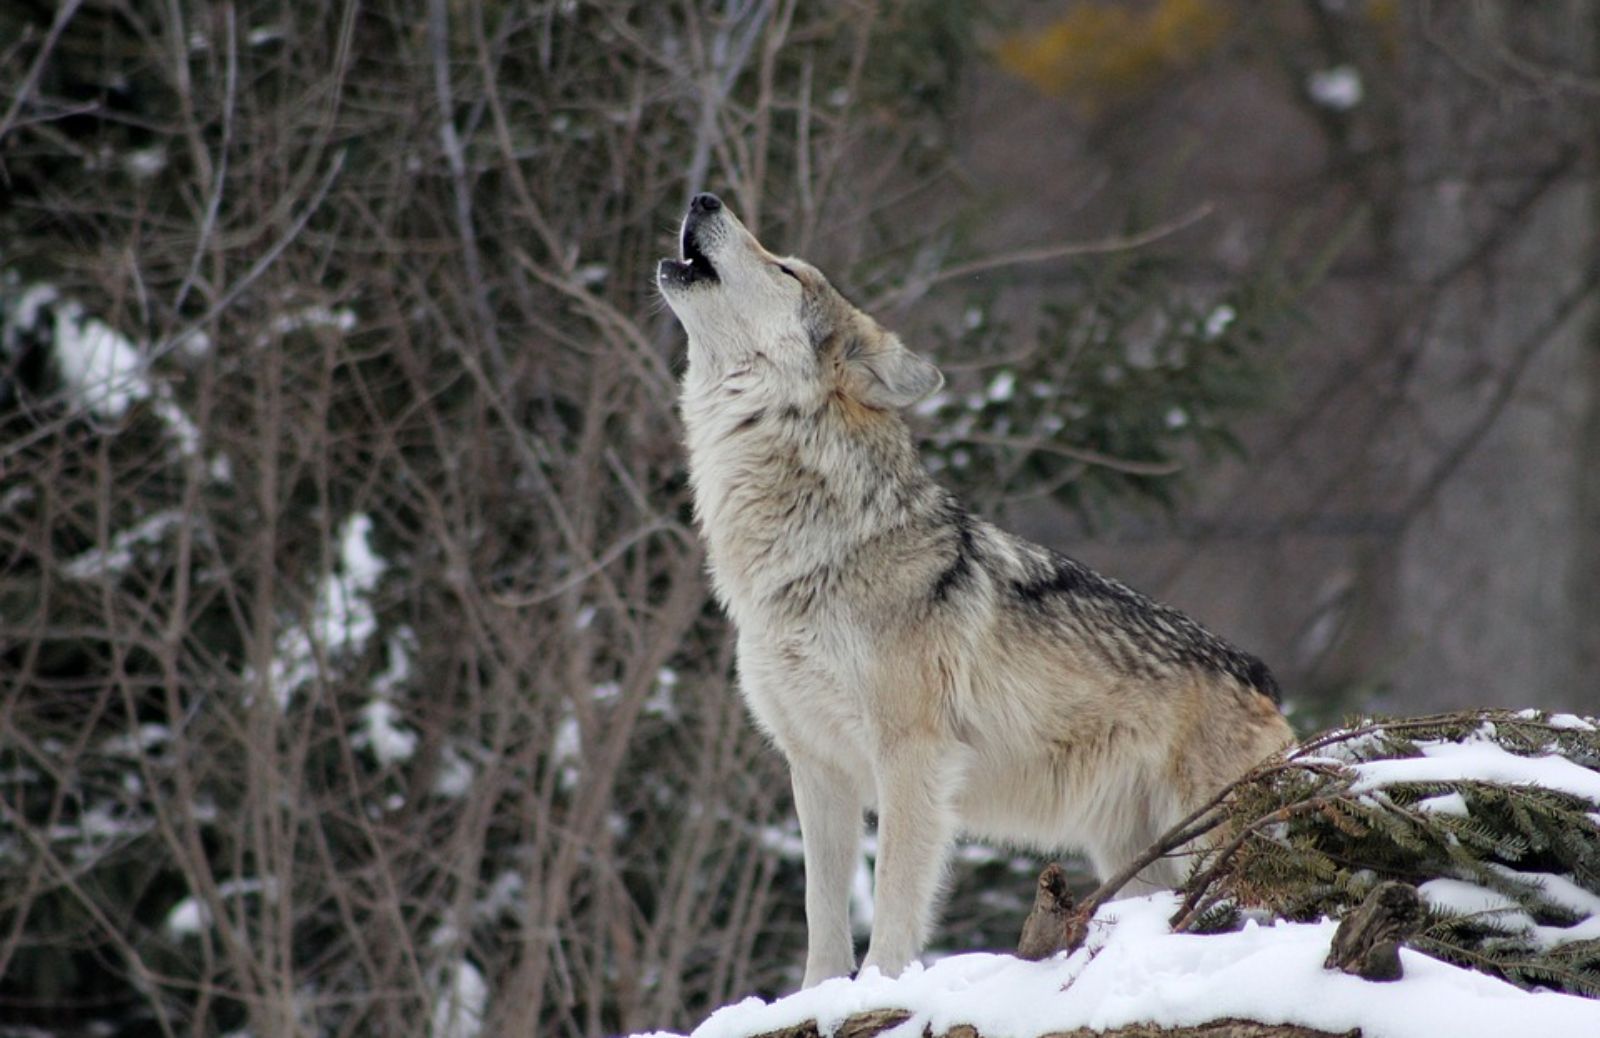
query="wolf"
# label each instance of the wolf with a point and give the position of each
(905, 655)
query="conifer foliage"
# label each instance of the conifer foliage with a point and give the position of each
(1493, 815)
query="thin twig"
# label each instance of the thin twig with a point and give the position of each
(1042, 254)
(1197, 823)
(260, 266)
(610, 555)
(455, 159)
(1199, 885)
(64, 14)
(1083, 454)
(208, 222)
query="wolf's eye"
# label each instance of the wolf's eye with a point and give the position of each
(789, 272)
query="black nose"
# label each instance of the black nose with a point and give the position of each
(705, 202)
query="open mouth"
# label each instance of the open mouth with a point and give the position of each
(695, 267)
(694, 256)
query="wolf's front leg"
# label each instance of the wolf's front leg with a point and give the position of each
(916, 822)
(830, 828)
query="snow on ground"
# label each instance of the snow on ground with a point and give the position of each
(1134, 970)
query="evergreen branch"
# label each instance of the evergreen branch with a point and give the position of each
(1304, 845)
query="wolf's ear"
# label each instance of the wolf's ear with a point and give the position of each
(889, 376)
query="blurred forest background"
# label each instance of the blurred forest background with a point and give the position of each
(357, 669)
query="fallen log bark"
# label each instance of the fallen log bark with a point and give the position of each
(877, 1021)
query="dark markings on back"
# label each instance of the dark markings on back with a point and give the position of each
(1129, 628)
(750, 420)
(1261, 679)
(960, 570)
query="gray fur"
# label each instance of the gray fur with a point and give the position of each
(904, 654)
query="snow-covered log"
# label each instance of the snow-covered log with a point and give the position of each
(883, 1021)
(1399, 878)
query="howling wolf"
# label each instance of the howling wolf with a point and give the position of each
(905, 655)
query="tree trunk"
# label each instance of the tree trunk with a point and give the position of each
(1498, 270)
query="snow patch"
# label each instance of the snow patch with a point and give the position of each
(137, 742)
(567, 751)
(1557, 889)
(401, 645)
(100, 366)
(119, 554)
(26, 313)
(191, 915)
(1338, 88)
(145, 163)
(316, 316)
(455, 775)
(1132, 969)
(1459, 897)
(1568, 721)
(1481, 761)
(1218, 321)
(662, 702)
(381, 729)
(1444, 804)
(782, 840)
(383, 733)
(504, 897)
(462, 997)
(342, 617)
(99, 830)
(103, 370)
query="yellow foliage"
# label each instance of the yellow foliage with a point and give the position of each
(1099, 50)
(1384, 12)
(1385, 17)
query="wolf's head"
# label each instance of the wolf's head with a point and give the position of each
(777, 319)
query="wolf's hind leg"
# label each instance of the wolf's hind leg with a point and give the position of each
(916, 823)
(1123, 843)
(830, 828)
